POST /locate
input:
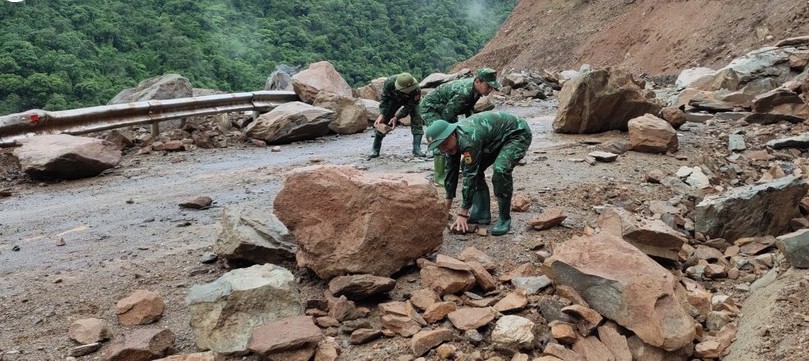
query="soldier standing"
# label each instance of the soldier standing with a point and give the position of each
(472, 145)
(399, 91)
(448, 101)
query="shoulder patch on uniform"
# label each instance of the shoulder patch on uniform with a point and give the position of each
(467, 157)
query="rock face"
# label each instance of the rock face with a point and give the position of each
(224, 312)
(251, 233)
(361, 222)
(755, 210)
(625, 285)
(169, 86)
(291, 122)
(63, 156)
(601, 100)
(320, 76)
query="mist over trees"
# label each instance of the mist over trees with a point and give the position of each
(62, 54)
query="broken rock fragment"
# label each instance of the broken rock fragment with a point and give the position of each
(286, 339)
(140, 308)
(361, 286)
(623, 284)
(251, 233)
(140, 344)
(224, 312)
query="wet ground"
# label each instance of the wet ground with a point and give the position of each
(124, 229)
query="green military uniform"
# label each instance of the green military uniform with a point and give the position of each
(486, 139)
(447, 102)
(400, 91)
(393, 99)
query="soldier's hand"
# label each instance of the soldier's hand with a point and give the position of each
(378, 120)
(460, 224)
(393, 122)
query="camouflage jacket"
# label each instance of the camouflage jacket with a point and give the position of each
(393, 99)
(450, 100)
(480, 136)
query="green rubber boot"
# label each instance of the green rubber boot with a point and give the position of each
(439, 171)
(503, 224)
(481, 211)
(417, 146)
(377, 145)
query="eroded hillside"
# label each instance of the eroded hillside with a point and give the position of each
(655, 37)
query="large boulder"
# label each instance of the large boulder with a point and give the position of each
(350, 115)
(371, 108)
(169, 86)
(754, 210)
(691, 77)
(251, 233)
(781, 101)
(372, 91)
(435, 79)
(770, 62)
(291, 122)
(224, 312)
(320, 76)
(346, 221)
(63, 156)
(278, 80)
(599, 101)
(623, 284)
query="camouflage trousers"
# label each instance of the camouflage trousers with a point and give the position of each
(504, 160)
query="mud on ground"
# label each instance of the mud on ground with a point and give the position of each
(124, 231)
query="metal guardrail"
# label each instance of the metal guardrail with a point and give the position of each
(18, 126)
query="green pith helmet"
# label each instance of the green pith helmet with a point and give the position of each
(406, 83)
(438, 132)
(488, 76)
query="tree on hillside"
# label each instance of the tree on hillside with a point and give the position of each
(60, 54)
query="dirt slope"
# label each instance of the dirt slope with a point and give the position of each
(656, 37)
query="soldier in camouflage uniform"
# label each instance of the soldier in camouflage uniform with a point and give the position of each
(399, 91)
(471, 146)
(448, 101)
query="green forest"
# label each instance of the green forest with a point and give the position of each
(64, 54)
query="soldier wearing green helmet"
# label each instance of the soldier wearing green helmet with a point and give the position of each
(399, 91)
(450, 100)
(471, 145)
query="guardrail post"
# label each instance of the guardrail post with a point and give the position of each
(155, 129)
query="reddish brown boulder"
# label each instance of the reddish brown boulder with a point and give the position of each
(320, 76)
(360, 222)
(140, 308)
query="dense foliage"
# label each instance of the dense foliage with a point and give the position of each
(60, 54)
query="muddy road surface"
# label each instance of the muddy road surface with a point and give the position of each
(71, 250)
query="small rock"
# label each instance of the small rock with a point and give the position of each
(208, 257)
(276, 149)
(84, 349)
(202, 202)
